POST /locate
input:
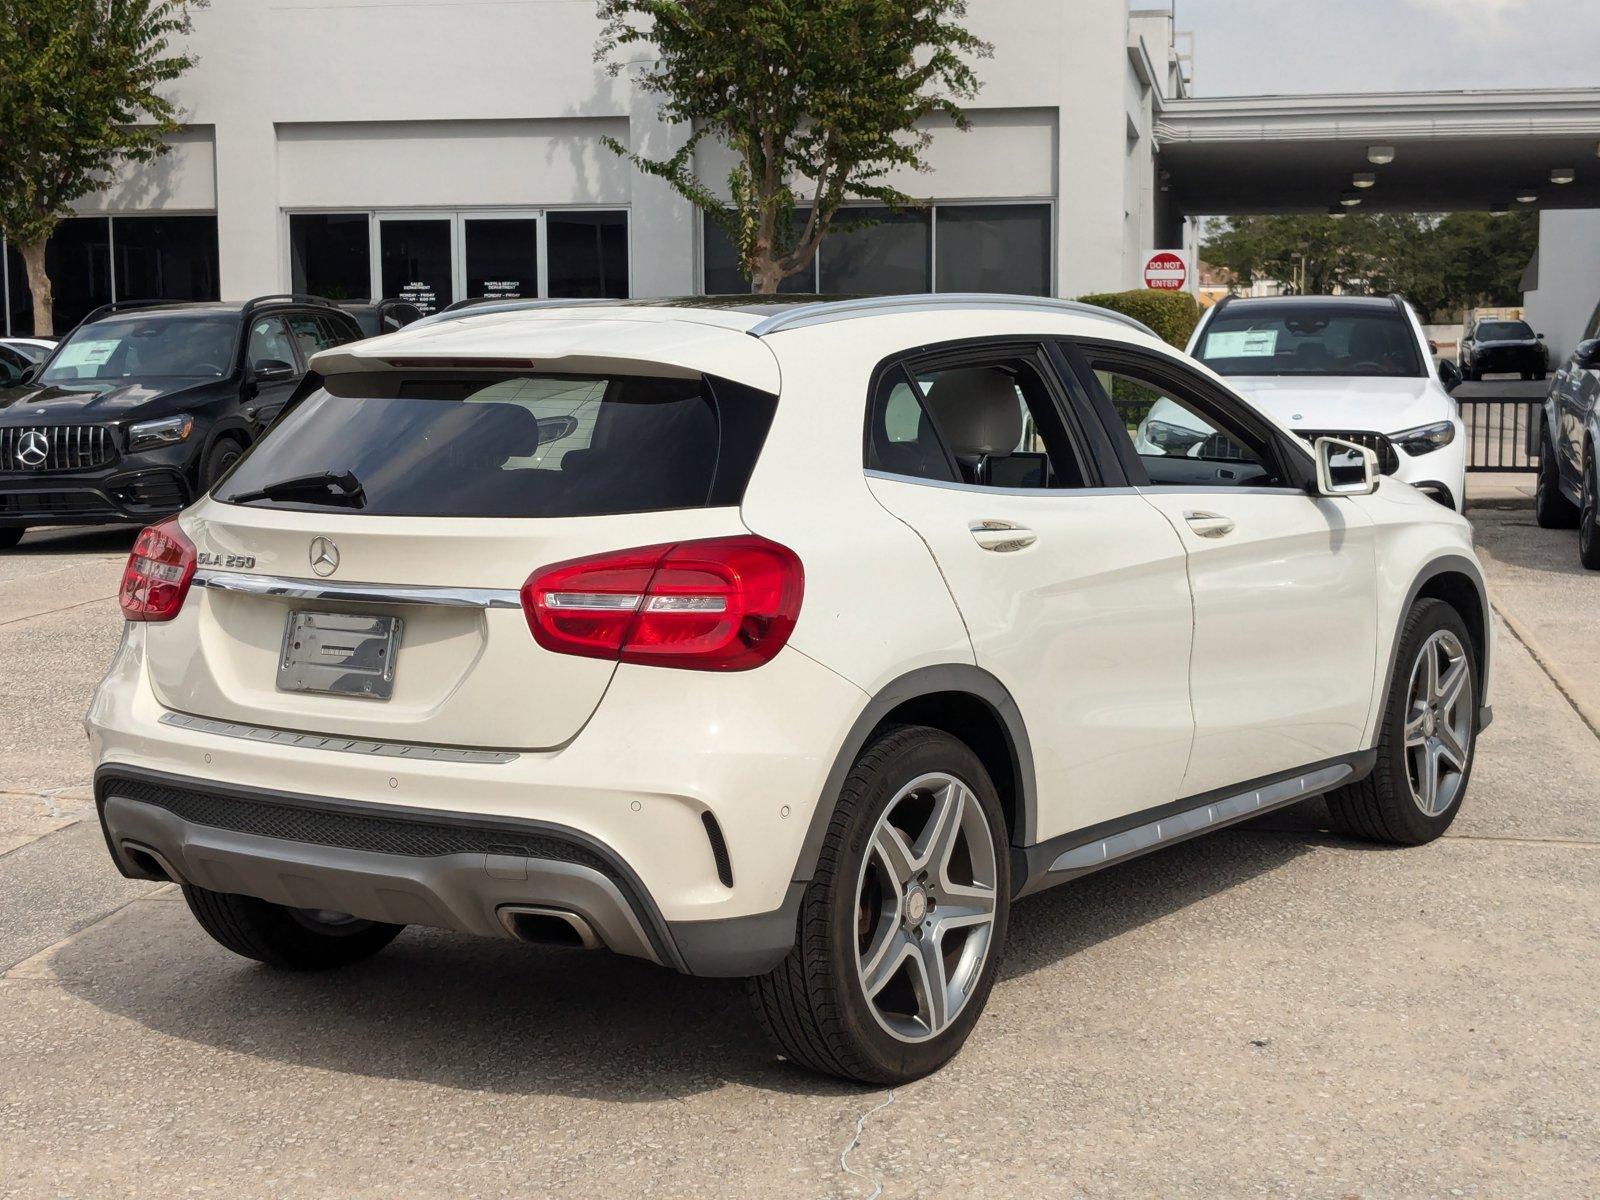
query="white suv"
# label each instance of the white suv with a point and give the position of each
(784, 640)
(1352, 367)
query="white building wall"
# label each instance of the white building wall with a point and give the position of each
(1568, 296)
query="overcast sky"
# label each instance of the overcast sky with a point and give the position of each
(1244, 47)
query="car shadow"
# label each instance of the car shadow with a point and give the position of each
(101, 539)
(502, 1017)
(1533, 548)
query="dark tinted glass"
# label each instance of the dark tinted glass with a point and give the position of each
(502, 257)
(330, 254)
(18, 320)
(1505, 331)
(166, 258)
(889, 257)
(415, 256)
(148, 347)
(994, 248)
(529, 446)
(1310, 339)
(588, 254)
(721, 264)
(78, 259)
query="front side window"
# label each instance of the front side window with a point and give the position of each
(132, 347)
(270, 343)
(1181, 440)
(1298, 338)
(508, 446)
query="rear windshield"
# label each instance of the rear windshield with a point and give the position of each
(523, 446)
(1310, 339)
(1505, 331)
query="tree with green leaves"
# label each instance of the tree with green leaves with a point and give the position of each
(80, 96)
(819, 100)
(1443, 265)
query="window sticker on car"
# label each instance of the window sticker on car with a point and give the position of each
(87, 354)
(1242, 343)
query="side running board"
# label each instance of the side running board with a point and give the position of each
(1141, 839)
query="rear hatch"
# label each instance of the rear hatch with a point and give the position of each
(359, 572)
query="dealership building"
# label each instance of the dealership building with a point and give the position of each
(454, 149)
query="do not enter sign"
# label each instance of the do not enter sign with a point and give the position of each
(1166, 272)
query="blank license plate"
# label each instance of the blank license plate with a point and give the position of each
(339, 654)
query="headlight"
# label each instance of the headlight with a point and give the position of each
(169, 431)
(1173, 440)
(1425, 438)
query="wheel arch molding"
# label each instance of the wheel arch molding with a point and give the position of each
(963, 700)
(1458, 581)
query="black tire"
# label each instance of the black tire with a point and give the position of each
(1468, 375)
(814, 1004)
(219, 459)
(1541, 376)
(1551, 508)
(287, 938)
(1589, 518)
(1382, 807)
(10, 537)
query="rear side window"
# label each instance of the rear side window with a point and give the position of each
(508, 446)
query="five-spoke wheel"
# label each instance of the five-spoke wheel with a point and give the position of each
(1439, 720)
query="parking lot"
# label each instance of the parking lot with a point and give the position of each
(1268, 1011)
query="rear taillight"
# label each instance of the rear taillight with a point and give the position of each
(722, 604)
(158, 573)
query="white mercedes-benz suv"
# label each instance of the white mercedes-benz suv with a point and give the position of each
(794, 641)
(1351, 367)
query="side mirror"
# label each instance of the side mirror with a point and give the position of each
(1449, 375)
(1345, 469)
(1540, 336)
(29, 374)
(272, 370)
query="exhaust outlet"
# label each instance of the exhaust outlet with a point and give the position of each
(149, 863)
(549, 927)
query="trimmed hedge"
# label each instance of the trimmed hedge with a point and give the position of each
(1173, 315)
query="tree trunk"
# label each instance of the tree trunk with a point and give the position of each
(39, 285)
(765, 277)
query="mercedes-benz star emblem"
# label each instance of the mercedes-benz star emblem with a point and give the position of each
(33, 448)
(324, 556)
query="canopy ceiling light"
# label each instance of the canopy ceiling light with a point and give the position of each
(1563, 175)
(1350, 199)
(1336, 212)
(1364, 179)
(1380, 156)
(1527, 197)
(1499, 210)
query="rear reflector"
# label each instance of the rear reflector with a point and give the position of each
(158, 573)
(721, 604)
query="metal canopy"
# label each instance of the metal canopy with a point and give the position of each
(1452, 151)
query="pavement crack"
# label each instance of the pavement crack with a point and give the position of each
(50, 612)
(855, 1140)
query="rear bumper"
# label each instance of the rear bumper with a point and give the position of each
(411, 867)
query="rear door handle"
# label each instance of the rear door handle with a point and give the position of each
(1002, 536)
(1208, 524)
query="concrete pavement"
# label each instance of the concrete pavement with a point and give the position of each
(1268, 1011)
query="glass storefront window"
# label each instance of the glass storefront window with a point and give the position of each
(18, 320)
(78, 259)
(330, 254)
(502, 256)
(721, 264)
(166, 258)
(416, 260)
(588, 254)
(891, 256)
(994, 248)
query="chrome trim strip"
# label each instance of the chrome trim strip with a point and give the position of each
(826, 312)
(1094, 855)
(358, 593)
(1014, 493)
(343, 745)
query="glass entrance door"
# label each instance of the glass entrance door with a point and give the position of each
(414, 256)
(500, 256)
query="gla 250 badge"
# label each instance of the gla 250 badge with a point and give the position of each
(243, 562)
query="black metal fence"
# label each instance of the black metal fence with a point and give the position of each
(1502, 433)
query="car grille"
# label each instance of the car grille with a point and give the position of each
(55, 504)
(50, 448)
(1388, 458)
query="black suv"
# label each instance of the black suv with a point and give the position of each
(143, 406)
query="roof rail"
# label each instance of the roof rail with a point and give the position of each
(116, 306)
(287, 297)
(826, 312)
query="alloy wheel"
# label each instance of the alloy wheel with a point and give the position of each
(925, 907)
(1438, 731)
(1589, 519)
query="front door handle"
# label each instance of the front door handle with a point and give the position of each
(1209, 525)
(1002, 536)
